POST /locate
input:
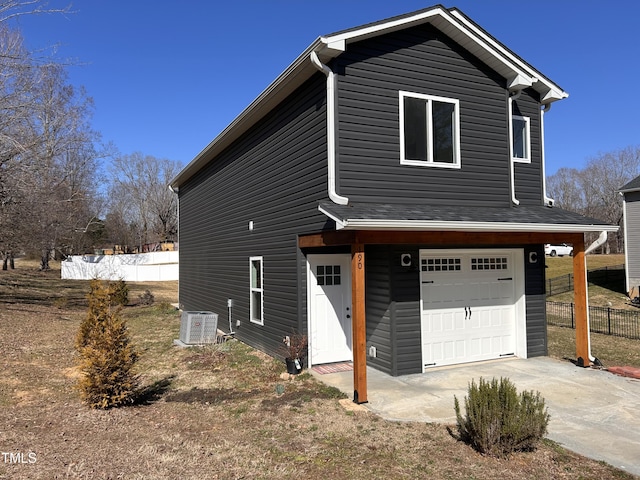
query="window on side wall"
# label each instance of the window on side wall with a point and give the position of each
(521, 141)
(256, 302)
(429, 130)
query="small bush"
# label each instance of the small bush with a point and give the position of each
(107, 357)
(146, 298)
(119, 293)
(498, 421)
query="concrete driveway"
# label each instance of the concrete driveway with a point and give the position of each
(593, 412)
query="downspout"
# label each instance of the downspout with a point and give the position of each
(546, 200)
(512, 167)
(598, 243)
(331, 129)
(175, 191)
(602, 238)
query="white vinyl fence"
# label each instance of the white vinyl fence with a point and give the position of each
(142, 267)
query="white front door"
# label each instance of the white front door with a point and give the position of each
(468, 305)
(329, 308)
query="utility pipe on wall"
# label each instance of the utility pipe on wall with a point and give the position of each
(512, 166)
(331, 129)
(602, 238)
(547, 200)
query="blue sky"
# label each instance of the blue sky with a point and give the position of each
(168, 76)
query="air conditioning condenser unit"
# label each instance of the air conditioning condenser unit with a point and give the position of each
(197, 328)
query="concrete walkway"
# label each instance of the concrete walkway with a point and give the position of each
(593, 412)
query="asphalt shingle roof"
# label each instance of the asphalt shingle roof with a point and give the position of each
(632, 185)
(443, 213)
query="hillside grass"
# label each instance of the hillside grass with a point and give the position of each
(605, 294)
(218, 412)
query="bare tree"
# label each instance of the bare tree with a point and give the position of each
(565, 189)
(16, 85)
(55, 188)
(45, 143)
(10, 9)
(593, 191)
(141, 196)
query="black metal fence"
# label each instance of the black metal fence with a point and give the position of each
(600, 276)
(561, 284)
(610, 321)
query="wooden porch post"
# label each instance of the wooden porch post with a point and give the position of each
(358, 324)
(582, 303)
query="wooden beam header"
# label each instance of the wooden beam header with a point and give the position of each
(450, 239)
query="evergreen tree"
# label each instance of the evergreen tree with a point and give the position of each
(107, 357)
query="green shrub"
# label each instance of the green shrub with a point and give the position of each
(146, 298)
(498, 421)
(107, 357)
(119, 293)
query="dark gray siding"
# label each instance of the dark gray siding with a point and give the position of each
(379, 308)
(274, 176)
(393, 310)
(528, 176)
(421, 60)
(632, 237)
(535, 301)
(405, 296)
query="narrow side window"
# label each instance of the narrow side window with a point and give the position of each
(521, 142)
(256, 290)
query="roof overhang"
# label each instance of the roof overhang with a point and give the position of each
(456, 25)
(460, 219)
(630, 190)
(517, 73)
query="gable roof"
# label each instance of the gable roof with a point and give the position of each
(632, 186)
(452, 22)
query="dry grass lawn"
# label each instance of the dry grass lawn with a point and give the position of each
(213, 413)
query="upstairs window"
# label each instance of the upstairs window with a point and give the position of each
(256, 290)
(521, 143)
(429, 130)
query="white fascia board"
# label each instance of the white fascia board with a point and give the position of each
(423, 226)
(458, 24)
(407, 225)
(339, 224)
(520, 82)
(373, 30)
(512, 58)
(332, 47)
(553, 95)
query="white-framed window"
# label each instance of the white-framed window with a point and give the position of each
(256, 302)
(429, 130)
(520, 139)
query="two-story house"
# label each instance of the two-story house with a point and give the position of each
(386, 196)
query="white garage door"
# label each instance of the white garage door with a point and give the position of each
(468, 310)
